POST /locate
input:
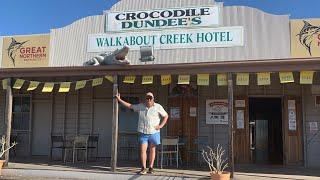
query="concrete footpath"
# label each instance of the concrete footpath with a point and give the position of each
(44, 171)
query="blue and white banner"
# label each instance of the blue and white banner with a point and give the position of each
(168, 39)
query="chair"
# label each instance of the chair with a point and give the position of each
(80, 143)
(200, 142)
(169, 146)
(93, 143)
(57, 142)
(128, 146)
(68, 145)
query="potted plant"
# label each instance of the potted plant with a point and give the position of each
(3, 150)
(216, 163)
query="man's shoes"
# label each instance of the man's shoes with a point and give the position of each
(143, 171)
(151, 170)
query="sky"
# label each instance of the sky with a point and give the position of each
(21, 17)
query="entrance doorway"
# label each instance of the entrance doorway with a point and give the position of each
(266, 136)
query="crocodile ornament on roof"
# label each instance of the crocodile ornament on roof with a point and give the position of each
(109, 58)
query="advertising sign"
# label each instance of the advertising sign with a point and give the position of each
(168, 39)
(25, 51)
(305, 38)
(217, 111)
(164, 18)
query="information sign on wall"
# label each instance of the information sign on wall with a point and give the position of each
(217, 111)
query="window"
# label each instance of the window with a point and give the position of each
(128, 119)
(21, 113)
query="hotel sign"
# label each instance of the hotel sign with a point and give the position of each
(164, 18)
(169, 39)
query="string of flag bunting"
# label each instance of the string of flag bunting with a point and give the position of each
(242, 79)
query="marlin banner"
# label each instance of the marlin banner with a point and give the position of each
(25, 51)
(305, 38)
(168, 39)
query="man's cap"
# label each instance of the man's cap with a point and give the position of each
(149, 94)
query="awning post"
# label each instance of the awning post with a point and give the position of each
(8, 118)
(114, 125)
(230, 117)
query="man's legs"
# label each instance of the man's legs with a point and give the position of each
(152, 154)
(143, 154)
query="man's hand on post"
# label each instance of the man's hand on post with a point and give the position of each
(117, 96)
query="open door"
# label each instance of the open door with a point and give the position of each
(292, 131)
(241, 140)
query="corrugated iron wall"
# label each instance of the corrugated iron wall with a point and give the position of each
(266, 36)
(68, 45)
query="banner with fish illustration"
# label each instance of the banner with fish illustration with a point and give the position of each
(25, 51)
(305, 38)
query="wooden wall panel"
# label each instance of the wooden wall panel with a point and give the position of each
(293, 153)
(241, 142)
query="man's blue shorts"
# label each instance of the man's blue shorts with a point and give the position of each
(150, 138)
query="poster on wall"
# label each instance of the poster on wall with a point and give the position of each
(292, 118)
(175, 113)
(240, 103)
(313, 127)
(240, 119)
(193, 112)
(217, 111)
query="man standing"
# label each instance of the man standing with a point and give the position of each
(148, 127)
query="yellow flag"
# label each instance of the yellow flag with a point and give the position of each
(110, 78)
(222, 80)
(64, 87)
(286, 77)
(33, 85)
(129, 79)
(80, 84)
(306, 77)
(263, 78)
(242, 79)
(4, 83)
(97, 81)
(147, 79)
(203, 79)
(48, 87)
(18, 84)
(184, 79)
(165, 79)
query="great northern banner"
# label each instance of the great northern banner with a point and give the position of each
(305, 38)
(25, 51)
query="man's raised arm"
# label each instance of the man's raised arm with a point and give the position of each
(126, 104)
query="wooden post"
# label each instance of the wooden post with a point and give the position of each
(114, 125)
(8, 119)
(230, 117)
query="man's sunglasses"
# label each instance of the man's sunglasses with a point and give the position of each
(149, 97)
